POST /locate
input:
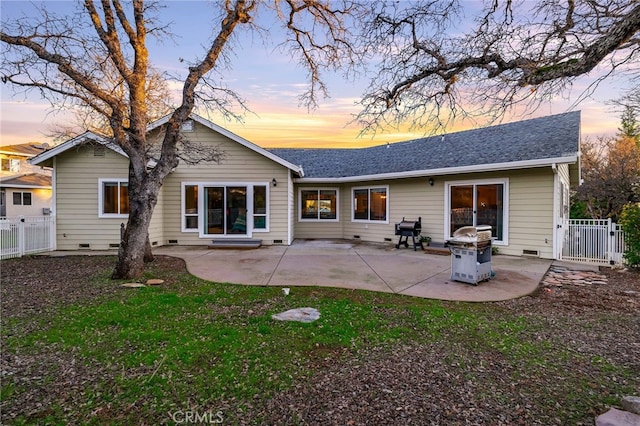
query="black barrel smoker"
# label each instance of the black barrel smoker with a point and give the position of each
(406, 229)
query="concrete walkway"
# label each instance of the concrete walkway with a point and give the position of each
(365, 266)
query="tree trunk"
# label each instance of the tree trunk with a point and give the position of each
(148, 254)
(135, 248)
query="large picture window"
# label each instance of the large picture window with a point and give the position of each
(318, 204)
(113, 198)
(370, 204)
(478, 203)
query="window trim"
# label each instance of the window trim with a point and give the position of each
(21, 195)
(101, 182)
(505, 204)
(369, 188)
(318, 189)
(266, 207)
(183, 213)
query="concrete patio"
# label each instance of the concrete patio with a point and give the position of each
(365, 266)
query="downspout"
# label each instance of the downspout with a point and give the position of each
(556, 213)
(289, 207)
(54, 204)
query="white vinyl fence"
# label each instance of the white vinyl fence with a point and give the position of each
(597, 241)
(26, 235)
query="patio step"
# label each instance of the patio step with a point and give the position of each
(437, 248)
(244, 243)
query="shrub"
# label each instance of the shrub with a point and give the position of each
(630, 221)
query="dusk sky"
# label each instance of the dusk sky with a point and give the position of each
(270, 82)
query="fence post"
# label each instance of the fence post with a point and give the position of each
(53, 243)
(21, 235)
(610, 241)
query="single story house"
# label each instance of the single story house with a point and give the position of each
(515, 177)
(25, 190)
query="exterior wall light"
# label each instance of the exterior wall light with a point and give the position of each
(431, 181)
(274, 182)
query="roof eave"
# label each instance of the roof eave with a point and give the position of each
(50, 153)
(5, 185)
(546, 162)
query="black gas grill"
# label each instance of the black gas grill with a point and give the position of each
(406, 229)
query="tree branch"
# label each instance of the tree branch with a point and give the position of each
(522, 56)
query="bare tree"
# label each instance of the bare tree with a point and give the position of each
(98, 59)
(611, 175)
(435, 65)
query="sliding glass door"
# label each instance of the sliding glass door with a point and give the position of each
(474, 204)
(226, 210)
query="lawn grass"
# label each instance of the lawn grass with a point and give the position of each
(197, 345)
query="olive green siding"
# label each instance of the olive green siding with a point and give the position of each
(240, 165)
(77, 179)
(320, 229)
(531, 212)
(529, 207)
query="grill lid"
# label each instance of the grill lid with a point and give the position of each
(471, 234)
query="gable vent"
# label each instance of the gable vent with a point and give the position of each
(98, 151)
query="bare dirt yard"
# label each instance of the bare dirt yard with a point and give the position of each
(452, 378)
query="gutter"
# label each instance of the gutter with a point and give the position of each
(446, 170)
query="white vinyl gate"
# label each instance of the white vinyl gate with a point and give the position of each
(26, 235)
(597, 241)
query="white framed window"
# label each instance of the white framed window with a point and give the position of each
(10, 165)
(113, 198)
(190, 207)
(260, 208)
(370, 204)
(318, 204)
(478, 202)
(22, 198)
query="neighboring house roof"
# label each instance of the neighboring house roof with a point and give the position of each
(30, 180)
(43, 157)
(530, 143)
(29, 149)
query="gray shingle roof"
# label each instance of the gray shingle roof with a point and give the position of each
(535, 139)
(27, 180)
